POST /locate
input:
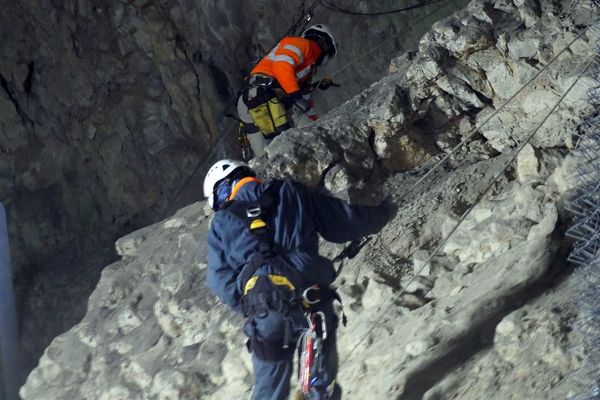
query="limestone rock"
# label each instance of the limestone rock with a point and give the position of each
(414, 349)
(152, 329)
(527, 164)
(539, 334)
(106, 109)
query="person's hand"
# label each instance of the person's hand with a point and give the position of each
(325, 84)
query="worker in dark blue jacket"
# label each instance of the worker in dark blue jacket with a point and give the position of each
(263, 246)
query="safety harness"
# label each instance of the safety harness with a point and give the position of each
(277, 286)
(268, 282)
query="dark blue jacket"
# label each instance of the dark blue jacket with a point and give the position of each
(301, 215)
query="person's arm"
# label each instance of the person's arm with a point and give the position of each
(338, 222)
(287, 57)
(285, 74)
(221, 278)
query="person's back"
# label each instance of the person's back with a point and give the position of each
(291, 219)
(291, 62)
(298, 219)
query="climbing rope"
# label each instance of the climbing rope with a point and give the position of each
(306, 16)
(330, 6)
(471, 208)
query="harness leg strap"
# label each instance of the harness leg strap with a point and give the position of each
(269, 351)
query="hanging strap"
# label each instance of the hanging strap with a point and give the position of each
(257, 216)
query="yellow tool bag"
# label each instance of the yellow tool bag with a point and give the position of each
(266, 111)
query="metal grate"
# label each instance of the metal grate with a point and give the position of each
(585, 209)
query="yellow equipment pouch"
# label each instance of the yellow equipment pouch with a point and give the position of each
(266, 111)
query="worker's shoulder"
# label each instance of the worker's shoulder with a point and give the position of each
(297, 41)
(227, 217)
(286, 185)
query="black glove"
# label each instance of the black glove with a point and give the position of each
(299, 102)
(325, 84)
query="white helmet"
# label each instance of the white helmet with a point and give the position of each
(322, 31)
(219, 171)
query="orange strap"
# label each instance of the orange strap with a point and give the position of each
(241, 183)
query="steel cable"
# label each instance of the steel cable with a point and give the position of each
(330, 6)
(467, 213)
(363, 55)
(485, 121)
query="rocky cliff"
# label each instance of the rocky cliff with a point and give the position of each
(106, 108)
(464, 293)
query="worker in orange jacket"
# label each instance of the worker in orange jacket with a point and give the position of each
(282, 80)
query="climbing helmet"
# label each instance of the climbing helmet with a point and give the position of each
(322, 34)
(219, 179)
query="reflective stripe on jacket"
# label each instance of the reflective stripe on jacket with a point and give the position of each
(300, 217)
(291, 62)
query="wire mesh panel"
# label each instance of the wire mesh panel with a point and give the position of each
(585, 209)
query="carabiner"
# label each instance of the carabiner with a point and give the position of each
(306, 295)
(321, 316)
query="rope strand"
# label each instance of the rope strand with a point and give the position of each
(447, 3)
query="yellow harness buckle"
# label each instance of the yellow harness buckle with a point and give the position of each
(250, 284)
(278, 280)
(257, 224)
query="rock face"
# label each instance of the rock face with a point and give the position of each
(458, 297)
(106, 108)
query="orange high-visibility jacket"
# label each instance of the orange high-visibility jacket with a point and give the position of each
(291, 62)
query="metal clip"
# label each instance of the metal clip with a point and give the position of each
(253, 212)
(321, 316)
(306, 295)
